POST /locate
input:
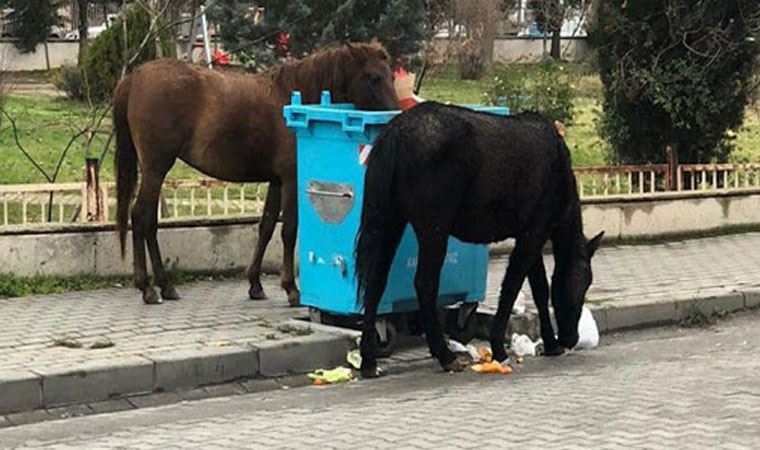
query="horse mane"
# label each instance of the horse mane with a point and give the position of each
(326, 69)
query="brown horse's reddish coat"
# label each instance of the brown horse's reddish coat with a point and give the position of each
(228, 126)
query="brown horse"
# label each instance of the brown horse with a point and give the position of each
(229, 126)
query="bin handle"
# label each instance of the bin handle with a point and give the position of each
(296, 120)
(329, 193)
(353, 128)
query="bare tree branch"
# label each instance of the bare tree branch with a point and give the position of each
(21, 148)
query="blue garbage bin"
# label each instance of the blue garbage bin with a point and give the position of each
(333, 143)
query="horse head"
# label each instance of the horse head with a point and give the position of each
(570, 283)
(368, 77)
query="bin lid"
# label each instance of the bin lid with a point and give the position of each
(297, 115)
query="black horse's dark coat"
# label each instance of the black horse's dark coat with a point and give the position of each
(451, 171)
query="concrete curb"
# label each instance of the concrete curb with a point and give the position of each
(324, 346)
(620, 315)
(114, 378)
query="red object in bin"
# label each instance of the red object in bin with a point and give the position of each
(407, 103)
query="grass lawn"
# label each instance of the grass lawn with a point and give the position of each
(46, 125)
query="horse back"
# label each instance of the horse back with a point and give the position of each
(217, 123)
(499, 175)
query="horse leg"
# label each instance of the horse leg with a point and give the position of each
(431, 255)
(289, 233)
(540, 288)
(522, 259)
(266, 229)
(168, 292)
(373, 292)
(144, 218)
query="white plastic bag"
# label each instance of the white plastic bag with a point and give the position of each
(458, 347)
(519, 307)
(523, 346)
(588, 333)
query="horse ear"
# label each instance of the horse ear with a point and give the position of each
(356, 51)
(379, 49)
(593, 244)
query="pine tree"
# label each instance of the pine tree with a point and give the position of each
(399, 24)
(34, 19)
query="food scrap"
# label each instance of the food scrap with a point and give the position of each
(486, 364)
(338, 375)
(491, 367)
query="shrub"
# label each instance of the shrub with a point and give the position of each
(70, 79)
(105, 57)
(546, 88)
(676, 73)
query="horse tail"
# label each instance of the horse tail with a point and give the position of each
(374, 241)
(125, 160)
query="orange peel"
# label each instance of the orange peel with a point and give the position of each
(491, 367)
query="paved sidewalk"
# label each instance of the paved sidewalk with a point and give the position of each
(216, 335)
(654, 389)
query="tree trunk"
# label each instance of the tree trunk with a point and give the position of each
(84, 25)
(487, 41)
(556, 51)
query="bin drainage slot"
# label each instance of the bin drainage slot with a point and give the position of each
(332, 201)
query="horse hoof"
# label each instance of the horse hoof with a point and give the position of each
(257, 293)
(499, 354)
(170, 293)
(294, 298)
(150, 297)
(554, 351)
(458, 364)
(370, 372)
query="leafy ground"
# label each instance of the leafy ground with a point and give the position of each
(46, 125)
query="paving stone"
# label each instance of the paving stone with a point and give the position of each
(65, 412)
(208, 365)
(23, 418)
(151, 400)
(97, 380)
(302, 354)
(19, 391)
(108, 406)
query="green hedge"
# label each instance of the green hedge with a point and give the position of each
(101, 70)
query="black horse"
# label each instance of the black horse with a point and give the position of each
(482, 178)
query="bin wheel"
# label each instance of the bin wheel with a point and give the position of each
(387, 347)
(463, 324)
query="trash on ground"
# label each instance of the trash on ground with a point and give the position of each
(588, 333)
(333, 376)
(474, 353)
(522, 345)
(354, 357)
(485, 355)
(519, 307)
(68, 343)
(492, 367)
(456, 346)
(105, 343)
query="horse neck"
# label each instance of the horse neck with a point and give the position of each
(311, 76)
(568, 240)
